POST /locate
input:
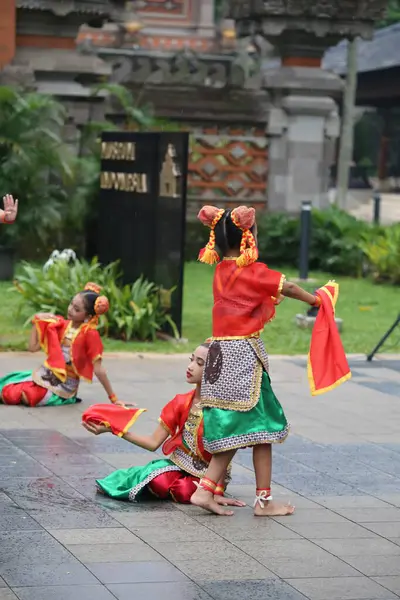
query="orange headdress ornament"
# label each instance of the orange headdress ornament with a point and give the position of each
(244, 218)
(209, 216)
(92, 287)
(101, 305)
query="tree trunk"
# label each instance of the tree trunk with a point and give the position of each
(347, 137)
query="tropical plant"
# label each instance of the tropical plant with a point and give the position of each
(56, 188)
(35, 164)
(383, 254)
(135, 116)
(50, 288)
(136, 311)
(392, 15)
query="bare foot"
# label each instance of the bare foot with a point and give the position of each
(273, 509)
(224, 501)
(204, 499)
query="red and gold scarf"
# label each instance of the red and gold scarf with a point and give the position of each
(327, 363)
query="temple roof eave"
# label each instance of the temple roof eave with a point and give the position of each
(63, 8)
(380, 53)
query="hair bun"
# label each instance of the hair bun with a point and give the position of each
(208, 213)
(244, 217)
(92, 287)
(101, 305)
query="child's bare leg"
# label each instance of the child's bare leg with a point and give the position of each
(204, 495)
(262, 460)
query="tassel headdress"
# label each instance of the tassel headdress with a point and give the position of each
(210, 216)
(244, 219)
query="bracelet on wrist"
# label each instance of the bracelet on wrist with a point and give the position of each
(113, 398)
(317, 301)
(219, 491)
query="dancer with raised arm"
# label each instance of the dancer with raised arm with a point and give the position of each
(239, 406)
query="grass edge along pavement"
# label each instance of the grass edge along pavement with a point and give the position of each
(367, 310)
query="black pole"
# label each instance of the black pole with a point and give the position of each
(383, 340)
(377, 208)
(305, 221)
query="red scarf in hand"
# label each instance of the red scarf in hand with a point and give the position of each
(118, 418)
(327, 363)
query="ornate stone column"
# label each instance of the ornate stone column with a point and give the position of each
(206, 24)
(303, 123)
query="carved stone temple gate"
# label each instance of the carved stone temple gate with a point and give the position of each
(251, 112)
(200, 82)
(225, 114)
(303, 123)
(260, 107)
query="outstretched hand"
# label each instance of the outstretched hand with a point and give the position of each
(119, 403)
(10, 208)
(96, 429)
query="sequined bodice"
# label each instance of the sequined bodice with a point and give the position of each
(187, 457)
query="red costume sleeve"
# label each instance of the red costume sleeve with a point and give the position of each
(327, 364)
(87, 347)
(170, 415)
(270, 281)
(50, 333)
(94, 345)
(173, 418)
(118, 418)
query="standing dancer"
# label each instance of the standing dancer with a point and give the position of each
(74, 351)
(9, 214)
(180, 433)
(240, 409)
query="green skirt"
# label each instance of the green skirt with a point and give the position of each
(265, 423)
(37, 399)
(130, 484)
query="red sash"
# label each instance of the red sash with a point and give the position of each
(118, 418)
(327, 363)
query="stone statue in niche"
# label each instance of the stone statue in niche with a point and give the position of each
(170, 174)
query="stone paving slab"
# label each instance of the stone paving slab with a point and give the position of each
(60, 540)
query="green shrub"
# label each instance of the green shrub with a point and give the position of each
(383, 254)
(137, 311)
(335, 242)
(278, 238)
(334, 245)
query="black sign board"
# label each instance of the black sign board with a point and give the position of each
(142, 208)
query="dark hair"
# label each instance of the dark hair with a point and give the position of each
(89, 299)
(227, 235)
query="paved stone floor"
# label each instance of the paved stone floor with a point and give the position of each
(340, 467)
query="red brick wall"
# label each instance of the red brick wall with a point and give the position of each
(45, 41)
(7, 31)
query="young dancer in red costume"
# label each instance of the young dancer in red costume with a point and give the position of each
(180, 434)
(73, 351)
(239, 407)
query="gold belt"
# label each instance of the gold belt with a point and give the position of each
(227, 338)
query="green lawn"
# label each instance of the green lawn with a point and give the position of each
(367, 310)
